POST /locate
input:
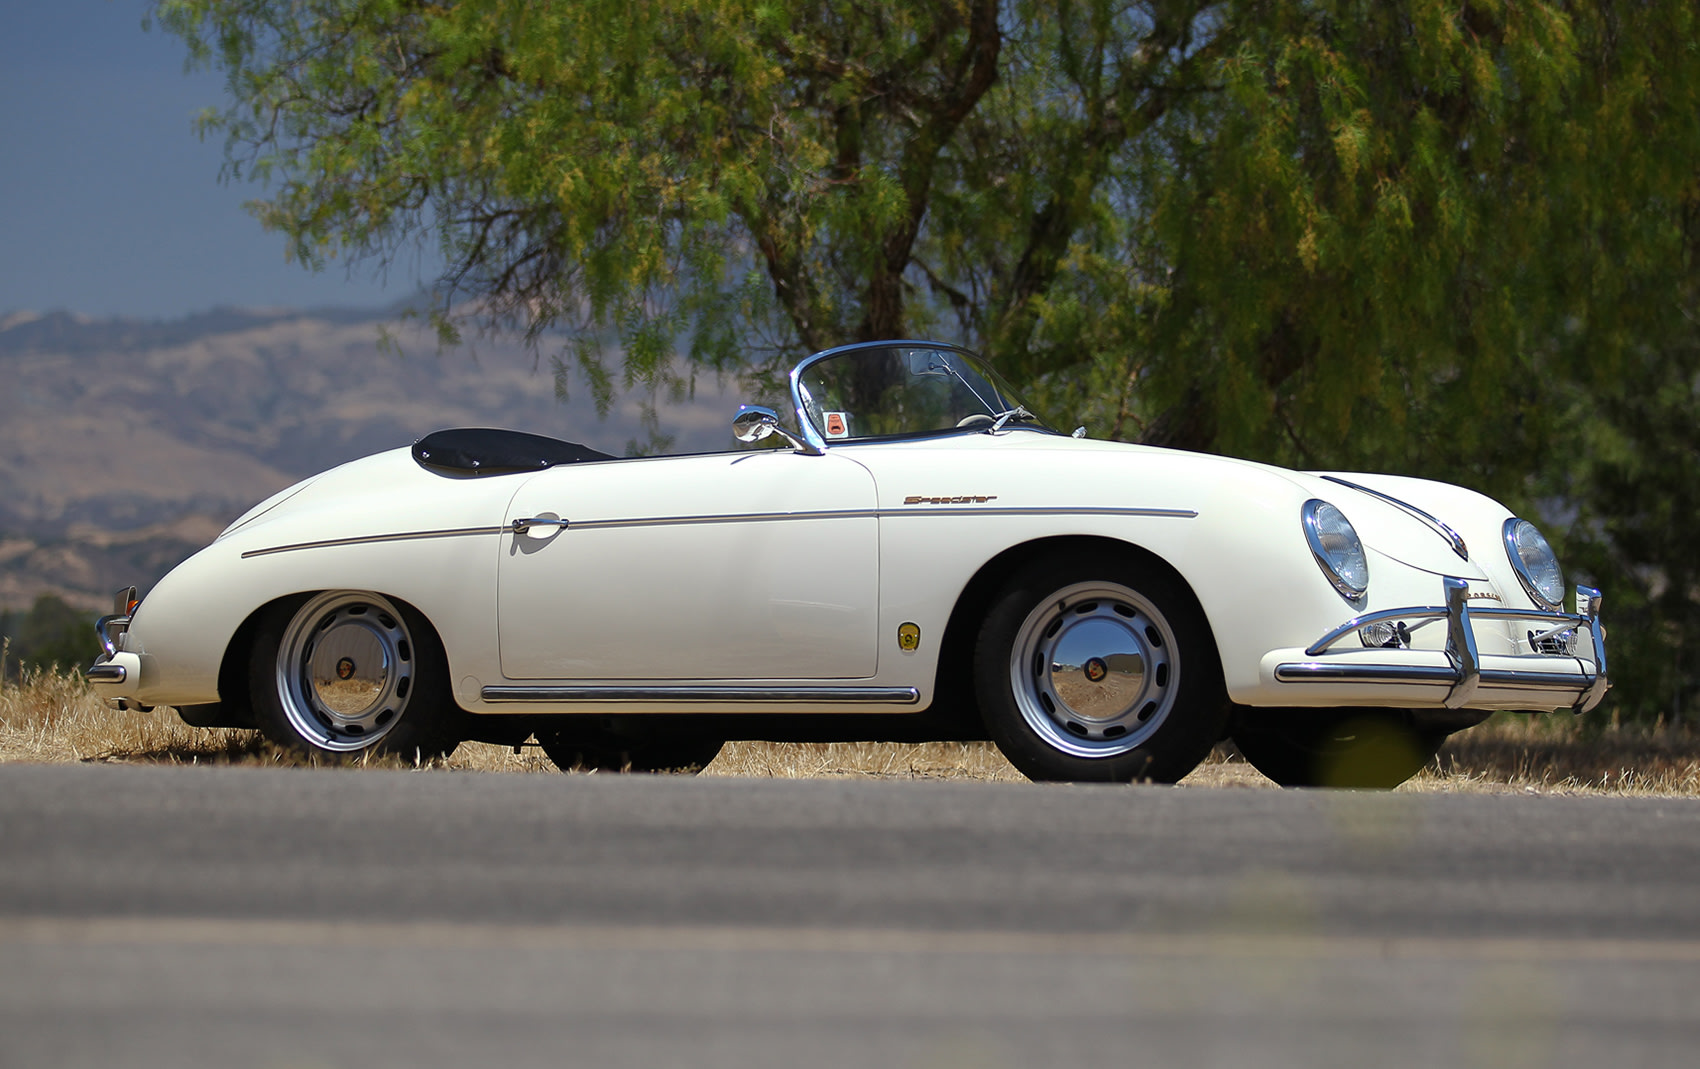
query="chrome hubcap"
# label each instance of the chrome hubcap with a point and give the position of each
(1094, 669)
(345, 669)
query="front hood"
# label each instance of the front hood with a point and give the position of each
(1398, 532)
(1028, 468)
(266, 506)
(1384, 526)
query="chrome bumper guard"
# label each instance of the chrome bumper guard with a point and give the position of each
(1465, 674)
(109, 629)
(109, 632)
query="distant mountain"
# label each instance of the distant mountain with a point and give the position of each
(125, 445)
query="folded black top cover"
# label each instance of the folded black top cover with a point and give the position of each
(487, 451)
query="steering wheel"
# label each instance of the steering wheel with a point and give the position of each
(975, 420)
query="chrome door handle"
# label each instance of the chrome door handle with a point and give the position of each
(525, 525)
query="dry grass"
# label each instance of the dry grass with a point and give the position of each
(1563, 753)
(876, 760)
(52, 717)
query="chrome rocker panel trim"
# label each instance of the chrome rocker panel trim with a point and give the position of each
(716, 694)
(1465, 674)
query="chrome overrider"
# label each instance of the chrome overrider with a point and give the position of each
(109, 631)
(1466, 674)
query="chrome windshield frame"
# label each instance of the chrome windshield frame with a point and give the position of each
(806, 425)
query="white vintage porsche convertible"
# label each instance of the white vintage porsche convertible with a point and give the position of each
(926, 560)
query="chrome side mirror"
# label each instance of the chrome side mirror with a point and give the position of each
(752, 423)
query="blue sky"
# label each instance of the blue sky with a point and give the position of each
(109, 203)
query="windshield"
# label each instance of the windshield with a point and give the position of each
(892, 391)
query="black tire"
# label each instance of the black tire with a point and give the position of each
(348, 673)
(1367, 749)
(590, 749)
(1145, 701)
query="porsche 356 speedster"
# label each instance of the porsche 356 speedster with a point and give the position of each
(922, 558)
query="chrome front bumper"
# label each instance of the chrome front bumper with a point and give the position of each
(1464, 673)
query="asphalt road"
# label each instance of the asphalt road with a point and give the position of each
(292, 918)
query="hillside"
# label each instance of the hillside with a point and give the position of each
(125, 445)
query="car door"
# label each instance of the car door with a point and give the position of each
(756, 565)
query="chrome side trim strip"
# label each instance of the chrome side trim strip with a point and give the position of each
(862, 514)
(360, 540)
(730, 517)
(1452, 537)
(1173, 514)
(695, 693)
(106, 673)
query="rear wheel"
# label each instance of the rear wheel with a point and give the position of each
(1097, 669)
(347, 673)
(1375, 749)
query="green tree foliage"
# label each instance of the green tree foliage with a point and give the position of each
(1629, 364)
(1445, 238)
(50, 633)
(764, 178)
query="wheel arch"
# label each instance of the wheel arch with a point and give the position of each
(233, 683)
(956, 656)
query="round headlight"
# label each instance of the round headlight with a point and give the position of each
(1535, 563)
(1336, 547)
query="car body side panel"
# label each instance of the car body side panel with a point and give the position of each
(1191, 511)
(758, 565)
(381, 523)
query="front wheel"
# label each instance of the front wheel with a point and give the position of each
(348, 673)
(1374, 749)
(1098, 669)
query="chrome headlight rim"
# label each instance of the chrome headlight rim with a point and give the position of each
(1511, 532)
(1350, 575)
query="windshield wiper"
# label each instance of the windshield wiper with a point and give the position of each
(1008, 414)
(1000, 421)
(939, 364)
